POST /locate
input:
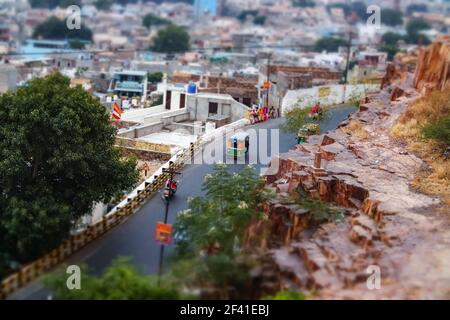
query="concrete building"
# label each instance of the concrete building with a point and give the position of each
(242, 90)
(285, 78)
(218, 108)
(129, 84)
(8, 78)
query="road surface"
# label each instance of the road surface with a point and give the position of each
(135, 236)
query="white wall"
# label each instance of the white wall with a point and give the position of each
(303, 98)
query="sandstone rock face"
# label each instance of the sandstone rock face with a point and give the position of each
(433, 71)
(387, 223)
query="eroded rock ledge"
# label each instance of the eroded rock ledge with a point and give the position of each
(388, 224)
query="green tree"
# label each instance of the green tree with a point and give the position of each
(219, 219)
(417, 38)
(120, 281)
(210, 233)
(172, 39)
(391, 50)
(56, 29)
(391, 17)
(417, 25)
(51, 4)
(243, 15)
(416, 7)
(260, 20)
(155, 77)
(360, 8)
(329, 44)
(56, 160)
(391, 38)
(104, 5)
(151, 20)
(303, 3)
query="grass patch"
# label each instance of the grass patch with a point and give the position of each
(356, 128)
(426, 127)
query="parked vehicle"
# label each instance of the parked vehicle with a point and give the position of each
(307, 130)
(238, 145)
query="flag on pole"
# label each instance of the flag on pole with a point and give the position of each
(117, 111)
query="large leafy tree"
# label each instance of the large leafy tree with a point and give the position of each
(54, 28)
(172, 39)
(219, 219)
(151, 20)
(56, 160)
(391, 17)
(329, 44)
(211, 232)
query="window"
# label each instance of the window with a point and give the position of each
(168, 99)
(213, 106)
(182, 100)
(247, 102)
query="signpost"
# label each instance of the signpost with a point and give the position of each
(163, 229)
(163, 233)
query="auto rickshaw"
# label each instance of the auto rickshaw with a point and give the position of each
(238, 144)
(307, 130)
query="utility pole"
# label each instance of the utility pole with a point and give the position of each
(269, 57)
(167, 198)
(349, 47)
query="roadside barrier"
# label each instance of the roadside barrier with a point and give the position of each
(33, 270)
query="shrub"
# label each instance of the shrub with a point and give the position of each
(439, 130)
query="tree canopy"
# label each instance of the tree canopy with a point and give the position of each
(103, 4)
(329, 44)
(219, 218)
(391, 17)
(120, 281)
(50, 4)
(56, 29)
(57, 158)
(155, 77)
(211, 232)
(260, 20)
(417, 25)
(172, 39)
(303, 3)
(151, 20)
(416, 7)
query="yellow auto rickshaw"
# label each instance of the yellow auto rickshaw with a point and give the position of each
(238, 145)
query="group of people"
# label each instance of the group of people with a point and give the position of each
(260, 114)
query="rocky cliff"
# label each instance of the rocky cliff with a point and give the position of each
(433, 70)
(361, 168)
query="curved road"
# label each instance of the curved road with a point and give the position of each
(135, 236)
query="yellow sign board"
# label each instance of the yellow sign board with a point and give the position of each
(324, 92)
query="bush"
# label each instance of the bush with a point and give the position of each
(120, 281)
(286, 295)
(439, 130)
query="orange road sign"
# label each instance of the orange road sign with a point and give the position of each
(164, 233)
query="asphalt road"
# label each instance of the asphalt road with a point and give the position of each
(135, 237)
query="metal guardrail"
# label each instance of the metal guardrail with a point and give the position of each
(33, 270)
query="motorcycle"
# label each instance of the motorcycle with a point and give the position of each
(170, 189)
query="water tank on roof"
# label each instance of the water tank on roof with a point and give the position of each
(192, 88)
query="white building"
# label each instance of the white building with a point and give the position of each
(8, 78)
